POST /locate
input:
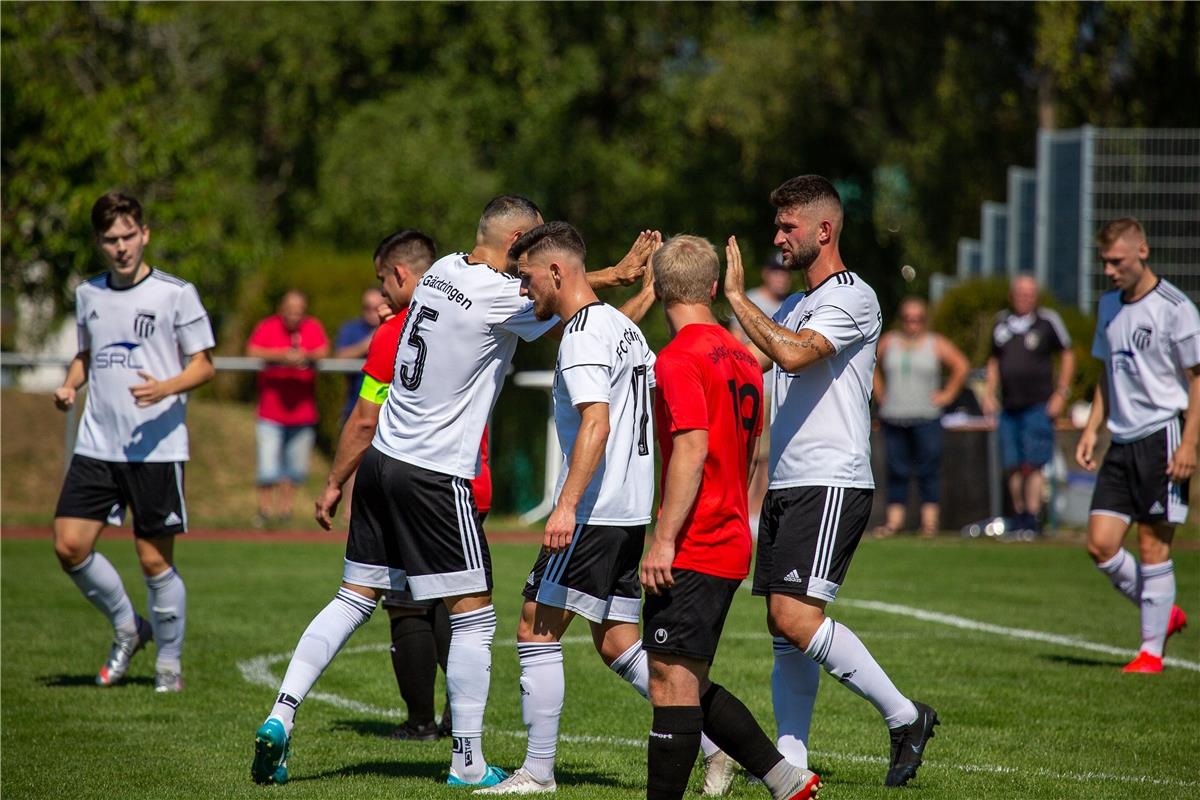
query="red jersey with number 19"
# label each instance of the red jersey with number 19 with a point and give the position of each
(708, 380)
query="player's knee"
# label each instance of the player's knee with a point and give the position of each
(1100, 551)
(153, 564)
(70, 551)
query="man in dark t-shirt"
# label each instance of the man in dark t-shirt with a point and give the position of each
(1021, 366)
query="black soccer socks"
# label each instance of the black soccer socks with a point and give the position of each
(674, 743)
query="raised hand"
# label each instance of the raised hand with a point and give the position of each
(735, 273)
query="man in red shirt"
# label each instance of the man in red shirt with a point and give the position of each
(708, 415)
(289, 341)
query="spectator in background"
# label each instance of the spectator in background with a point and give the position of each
(911, 396)
(354, 338)
(776, 286)
(289, 341)
(1021, 366)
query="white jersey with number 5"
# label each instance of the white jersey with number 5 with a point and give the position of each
(603, 358)
(821, 417)
(455, 348)
(1147, 346)
(151, 327)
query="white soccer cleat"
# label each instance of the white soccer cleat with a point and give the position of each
(520, 782)
(121, 653)
(166, 681)
(718, 774)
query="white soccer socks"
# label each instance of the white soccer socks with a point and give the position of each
(794, 682)
(100, 583)
(634, 668)
(321, 641)
(468, 678)
(1122, 570)
(542, 691)
(1158, 596)
(167, 597)
(845, 657)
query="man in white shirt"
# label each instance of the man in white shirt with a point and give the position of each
(1148, 335)
(145, 341)
(821, 345)
(594, 536)
(413, 521)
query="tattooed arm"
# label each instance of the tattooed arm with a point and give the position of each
(791, 350)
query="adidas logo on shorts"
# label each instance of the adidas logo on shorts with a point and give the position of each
(1157, 508)
(172, 519)
(793, 577)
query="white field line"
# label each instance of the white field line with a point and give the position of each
(1011, 633)
(257, 671)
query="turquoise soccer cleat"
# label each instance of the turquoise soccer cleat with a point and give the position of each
(270, 753)
(491, 776)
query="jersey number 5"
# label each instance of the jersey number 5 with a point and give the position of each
(411, 380)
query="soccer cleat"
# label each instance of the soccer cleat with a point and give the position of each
(1177, 622)
(491, 776)
(908, 746)
(520, 782)
(166, 681)
(122, 652)
(718, 773)
(1145, 662)
(417, 733)
(270, 753)
(804, 787)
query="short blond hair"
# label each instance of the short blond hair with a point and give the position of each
(1118, 229)
(685, 268)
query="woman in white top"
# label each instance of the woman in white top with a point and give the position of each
(911, 395)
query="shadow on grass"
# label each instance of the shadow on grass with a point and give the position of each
(372, 727)
(430, 770)
(66, 681)
(1082, 661)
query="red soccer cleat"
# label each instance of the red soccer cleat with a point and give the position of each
(1145, 662)
(1177, 622)
(810, 784)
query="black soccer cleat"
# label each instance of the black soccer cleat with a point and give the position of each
(908, 746)
(427, 732)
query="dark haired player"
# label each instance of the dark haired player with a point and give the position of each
(145, 341)
(822, 345)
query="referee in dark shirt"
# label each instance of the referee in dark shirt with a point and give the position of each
(1024, 341)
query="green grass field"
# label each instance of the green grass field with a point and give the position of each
(1022, 717)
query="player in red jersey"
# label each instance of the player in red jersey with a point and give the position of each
(708, 415)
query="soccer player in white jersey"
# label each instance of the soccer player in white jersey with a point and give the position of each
(821, 344)
(145, 341)
(413, 520)
(593, 541)
(1148, 336)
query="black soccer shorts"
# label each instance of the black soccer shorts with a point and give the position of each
(597, 576)
(687, 619)
(416, 528)
(1132, 483)
(807, 536)
(102, 490)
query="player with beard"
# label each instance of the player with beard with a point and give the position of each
(821, 348)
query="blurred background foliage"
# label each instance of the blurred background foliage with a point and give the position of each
(274, 144)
